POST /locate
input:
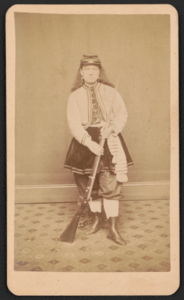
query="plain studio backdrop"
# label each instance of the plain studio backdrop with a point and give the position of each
(48, 52)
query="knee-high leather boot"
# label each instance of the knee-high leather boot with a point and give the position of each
(96, 223)
(113, 233)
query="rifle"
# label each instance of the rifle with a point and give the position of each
(68, 234)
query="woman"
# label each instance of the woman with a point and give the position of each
(92, 101)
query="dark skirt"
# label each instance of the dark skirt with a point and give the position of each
(80, 159)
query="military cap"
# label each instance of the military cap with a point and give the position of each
(90, 59)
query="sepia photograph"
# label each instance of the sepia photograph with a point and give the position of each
(91, 147)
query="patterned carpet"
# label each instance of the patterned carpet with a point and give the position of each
(143, 224)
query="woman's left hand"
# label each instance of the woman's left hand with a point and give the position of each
(105, 132)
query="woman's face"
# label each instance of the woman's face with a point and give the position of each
(90, 73)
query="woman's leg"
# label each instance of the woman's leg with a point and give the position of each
(110, 189)
(81, 182)
(95, 205)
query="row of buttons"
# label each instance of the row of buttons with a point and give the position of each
(95, 106)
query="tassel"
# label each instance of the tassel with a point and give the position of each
(119, 158)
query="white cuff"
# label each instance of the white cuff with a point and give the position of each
(87, 140)
(95, 205)
(115, 129)
(111, 208)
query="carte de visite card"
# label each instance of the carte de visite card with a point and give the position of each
(92, 150)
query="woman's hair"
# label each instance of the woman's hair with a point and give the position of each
(79, 82)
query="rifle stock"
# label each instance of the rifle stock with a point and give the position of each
(69, 233)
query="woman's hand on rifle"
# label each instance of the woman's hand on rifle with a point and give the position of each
(94, 147)
(105, 132)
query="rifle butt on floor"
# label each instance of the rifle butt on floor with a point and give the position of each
(69, 233)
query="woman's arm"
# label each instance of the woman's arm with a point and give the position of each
(77, 130)
(74, 120)
(119, 114)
